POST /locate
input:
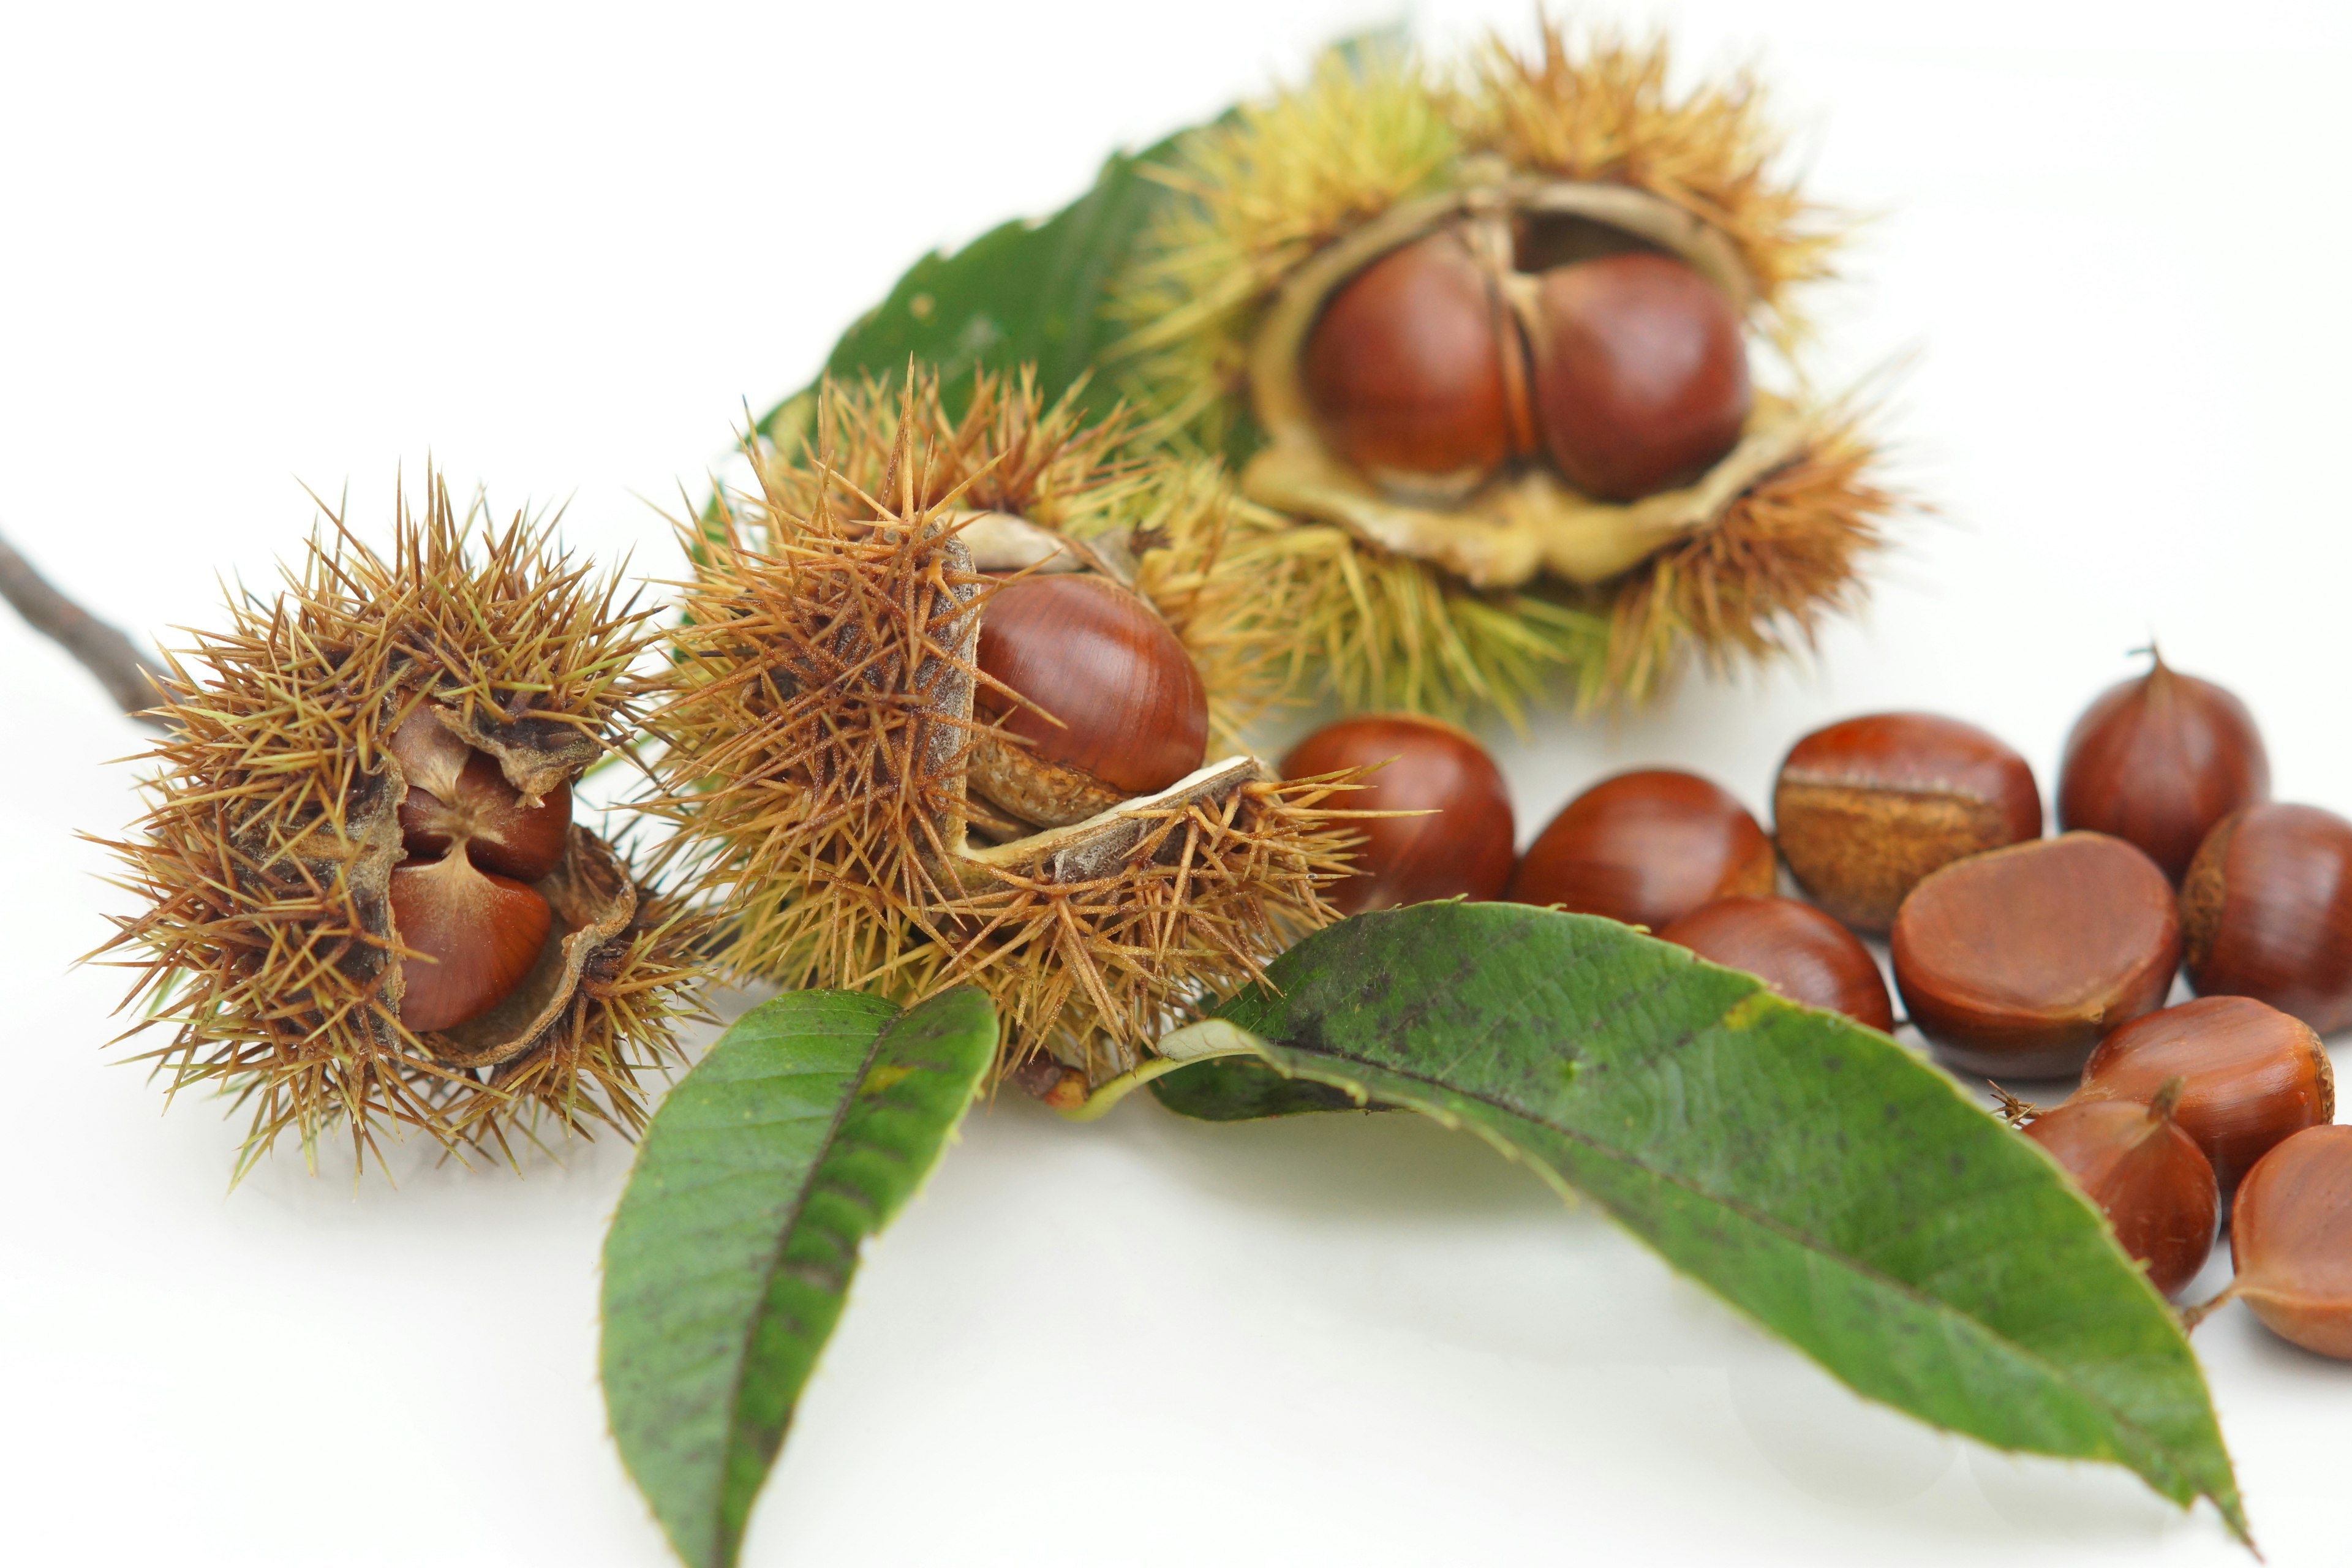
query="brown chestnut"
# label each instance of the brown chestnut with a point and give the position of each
(476, 935)
(2291, 1241)
(2015, 961)
(1866, 807)
(2157, 761)
(1127, 709)
(2251, 1077)
(1793, 948)
(1640, 376)
(1464, 849)
(2266, 912)
(459, 797)
(1646, 848)
(2148, 1176)
(1410, 369)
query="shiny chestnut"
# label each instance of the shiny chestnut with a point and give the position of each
(1641, 375)
(2157, 761)
(1461, 849)
(1866, 807)
(476, 935)
(1647, 848)
(2291, 1241)
(1122, 703)
(2251, 1077)
(1793, 948)
(1415, 367)
(2148, 1176)
(2014, 963)
(2266, 912)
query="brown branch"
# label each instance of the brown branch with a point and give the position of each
(128, 675)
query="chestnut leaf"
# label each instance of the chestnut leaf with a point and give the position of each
(1807, 1170)
(801, 1133)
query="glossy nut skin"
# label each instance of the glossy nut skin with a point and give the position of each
(1133, 711)
(1865, 807)
(1406, 369)
(1641, 375)
(2146, 1175)
(2266, 910)
(2251, 1075)
(1465, 850)
(2015, 961)
(1793, 948)
(1646, 848)
(2291, 1240)
(477, 936)
(2157, 761)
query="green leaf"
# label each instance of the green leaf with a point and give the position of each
(1022, 293)
(799, 1135)
(1804, 1168)
(1229, 1089)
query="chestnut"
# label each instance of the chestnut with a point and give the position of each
(1128, 711)
(2291, 1241)
(2251, 1077)
(1415, 366)
(1865, 807)
(2157, 761)
(1646, 848)
(1463, 850)
(457, 796)
(1640, 376)
(2266, 912)
(1793, 948)
(2148, 1176)
(2015, 961)
(477, 936)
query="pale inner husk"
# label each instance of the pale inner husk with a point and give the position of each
(1520, 524)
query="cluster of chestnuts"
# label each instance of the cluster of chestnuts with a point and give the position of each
(2015, 955)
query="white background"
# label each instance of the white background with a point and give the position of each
(561, 250)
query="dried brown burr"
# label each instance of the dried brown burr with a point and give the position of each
(1647, 848)
(2251, 1075)
(1463, 850)
(2015, 961)
(2266, 912)
(1793, 948)
(1866, 807)
(2146, 1175)
(2157, 761)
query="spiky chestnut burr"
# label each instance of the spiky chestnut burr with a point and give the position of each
(1431, 321)
(367, 909)
(820, 740)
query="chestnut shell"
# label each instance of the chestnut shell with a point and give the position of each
(2157, 761)
(2266, 912)
(2251, 1075)
(1793, 948)
(2146, 1175)
(1645, 848)
(1465, 850)
(2291, 1240)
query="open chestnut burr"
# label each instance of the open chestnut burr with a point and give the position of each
(1463, 849)
(2291, 1241)
(2157, 761)
(2146, 1175)
(1793, 948)
(2014, 963)
(1442, 359)
(2266, 912)
(1645, 848)
(1865, 807)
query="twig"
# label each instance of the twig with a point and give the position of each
(128, 675)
